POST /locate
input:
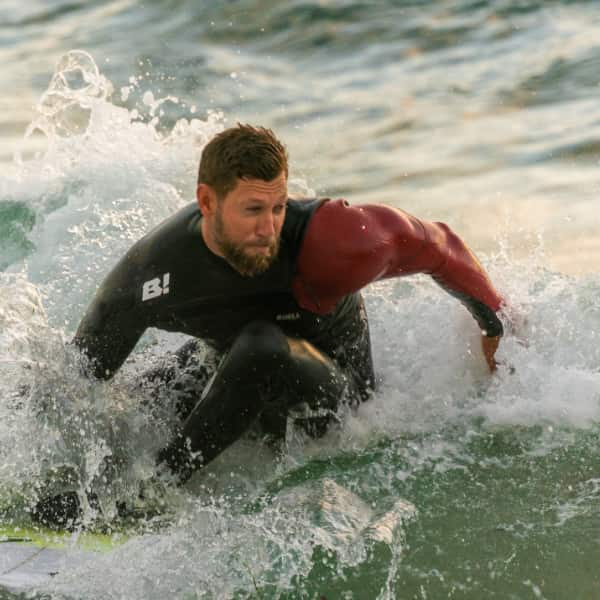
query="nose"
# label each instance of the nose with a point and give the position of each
(265, 226)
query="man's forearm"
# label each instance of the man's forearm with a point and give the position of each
(106, 336)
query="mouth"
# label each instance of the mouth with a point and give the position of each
(262, 248)
(266, 250)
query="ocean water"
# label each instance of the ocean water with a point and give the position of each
(449, 483)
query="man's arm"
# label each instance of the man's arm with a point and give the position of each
(347, 247)
(111, 326)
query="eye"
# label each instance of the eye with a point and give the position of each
(279, 209)
(253, 209)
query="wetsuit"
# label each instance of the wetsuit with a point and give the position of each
(296, 333)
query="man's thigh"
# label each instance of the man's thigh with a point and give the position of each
(311, 389)
(181, 377)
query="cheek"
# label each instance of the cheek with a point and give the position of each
(233, 226)
(242, 229)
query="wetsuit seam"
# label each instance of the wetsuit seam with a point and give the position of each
(426, 241)
(300, 240)
(310, 292)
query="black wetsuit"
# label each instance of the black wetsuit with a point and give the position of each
(274, 354)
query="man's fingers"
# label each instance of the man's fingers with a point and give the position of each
(489, 346)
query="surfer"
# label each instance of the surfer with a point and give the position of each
(272, 287)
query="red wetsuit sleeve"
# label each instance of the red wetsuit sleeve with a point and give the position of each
(347, 247)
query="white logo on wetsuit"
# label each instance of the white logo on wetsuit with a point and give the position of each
(288, 317)
(155, 287)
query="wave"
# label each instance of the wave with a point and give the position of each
(107, 175)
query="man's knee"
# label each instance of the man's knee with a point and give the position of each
(261, 341)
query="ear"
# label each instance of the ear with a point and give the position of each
(207, 199)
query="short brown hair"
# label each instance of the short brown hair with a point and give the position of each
(241, 152)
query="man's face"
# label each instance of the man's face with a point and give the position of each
(246, 224)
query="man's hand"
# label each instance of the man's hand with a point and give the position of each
(489, 346)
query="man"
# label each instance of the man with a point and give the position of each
(273, 286)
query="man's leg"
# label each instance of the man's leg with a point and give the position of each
(264, 367)
(264, 374)
(180, 379)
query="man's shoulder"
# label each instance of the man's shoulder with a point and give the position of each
(304, 204)
(168, 236)
(179, 225)
(298, 214)
(156, 253)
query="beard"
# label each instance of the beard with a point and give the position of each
(237, 256)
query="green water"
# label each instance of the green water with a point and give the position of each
(16, 221)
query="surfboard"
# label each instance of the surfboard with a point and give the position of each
(31, 557)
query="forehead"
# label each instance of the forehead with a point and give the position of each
(259, 189)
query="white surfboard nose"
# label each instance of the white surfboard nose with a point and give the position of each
(23, 567)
